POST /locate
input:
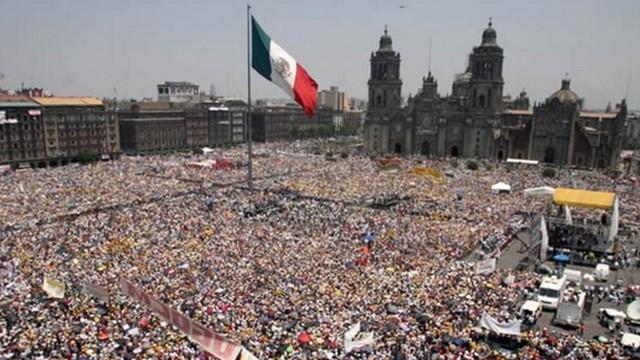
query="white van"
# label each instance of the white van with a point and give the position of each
(551, 291)
(573, 276)
(602, 272)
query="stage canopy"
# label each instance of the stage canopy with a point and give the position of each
(584, 199)
(590, 200)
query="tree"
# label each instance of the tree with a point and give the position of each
(549, 172)
(85, 157)
(472, 165)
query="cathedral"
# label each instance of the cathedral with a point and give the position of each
(478, 121)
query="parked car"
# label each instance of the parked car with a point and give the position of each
(568, 314)
(602, 272)
(607, 316)
(531, 311)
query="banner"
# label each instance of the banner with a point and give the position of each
(567, 215)
(544, 245)
(486, 266)
(500, 328)
(96, 291)
(213, 343)
(53, 288)
(352, 343)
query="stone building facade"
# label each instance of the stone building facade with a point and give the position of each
(478, 121)
(75, 125)
(147, 127)
(21, 132)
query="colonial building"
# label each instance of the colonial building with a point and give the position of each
(76, 125)
(164, 126)
(21, 132)
(478, 121)
(285, 123)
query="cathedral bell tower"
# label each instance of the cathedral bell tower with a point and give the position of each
(486, 83)
(385, 100)
(384, 82)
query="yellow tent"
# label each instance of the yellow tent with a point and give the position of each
(584, 199)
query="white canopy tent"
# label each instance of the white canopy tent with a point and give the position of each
(500, 187)
(522, 161)
(207, 150)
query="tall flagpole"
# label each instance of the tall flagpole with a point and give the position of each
(248, 122)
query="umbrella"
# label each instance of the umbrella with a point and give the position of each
(561, 258)
(304, 337)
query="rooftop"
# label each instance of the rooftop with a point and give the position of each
(68, 101)
(16, 101)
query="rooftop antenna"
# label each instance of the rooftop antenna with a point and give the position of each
(429, 67)
(626, 93)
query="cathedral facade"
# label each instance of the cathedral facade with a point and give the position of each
(478, 121)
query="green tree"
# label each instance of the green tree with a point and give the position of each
(549, 172)
(85, 157)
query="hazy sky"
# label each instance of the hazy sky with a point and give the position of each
(88, 47)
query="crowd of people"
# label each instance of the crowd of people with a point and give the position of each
(287, 281)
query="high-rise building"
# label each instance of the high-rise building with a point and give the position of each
(332, 99)
(178, 91)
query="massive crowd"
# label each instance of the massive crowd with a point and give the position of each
(286, 281)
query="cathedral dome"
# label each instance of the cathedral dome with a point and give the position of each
(565, 95)
(385, 41)
(489, 36)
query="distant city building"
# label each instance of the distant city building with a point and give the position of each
(332, 99)
(151, 127)
(285, 123)
(76, 125)
(357, 104)
(477, 121)
(163, 126)
(178, 91)
(632, 138)
(21, 132)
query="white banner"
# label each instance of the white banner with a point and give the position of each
(353, 341)
(96, 291)
(53, 288)
(486, 266)
(544, 246)
(567, 215)
(211, 342)
(510, 328)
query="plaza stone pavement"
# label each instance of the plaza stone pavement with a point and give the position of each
(514, 253)
(284, 275)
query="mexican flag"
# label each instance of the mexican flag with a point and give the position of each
(276, 65)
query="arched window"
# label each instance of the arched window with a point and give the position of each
(379, 100)
(398, 148)
(481, 101)
(500, 155)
